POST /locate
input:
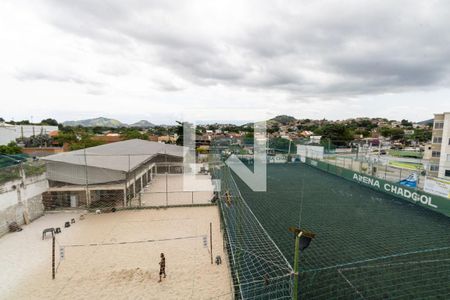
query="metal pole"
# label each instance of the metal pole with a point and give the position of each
(53, 256)
(289, 151)
(88, 200)
(167, 192)
(296, 258)
(210, 241)
(167, 169)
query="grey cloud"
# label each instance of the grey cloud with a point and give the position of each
(316, 49)
(56, 76)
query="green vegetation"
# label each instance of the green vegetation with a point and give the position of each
(77, 138)
(50, 122)
(131, 133)
(403, 153)
(9, 174)
(11, 148)
(34, 169)
(393, 133)
(338, 134)
(407, 165)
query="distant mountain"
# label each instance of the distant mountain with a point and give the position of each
(142, 124)
(283, 119)
(430, 121)
(101, 122)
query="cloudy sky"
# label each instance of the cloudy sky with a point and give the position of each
(224, 60)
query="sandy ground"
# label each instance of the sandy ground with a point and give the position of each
(121, 270)
(200, 190)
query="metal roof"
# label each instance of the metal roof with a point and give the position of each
(121, 156)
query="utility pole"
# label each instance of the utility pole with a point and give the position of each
(289, 150)
(296, 258)
(88, 200)
(53, 256)
(302, 241)
(167, 170)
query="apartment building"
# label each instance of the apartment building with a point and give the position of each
(440, 146)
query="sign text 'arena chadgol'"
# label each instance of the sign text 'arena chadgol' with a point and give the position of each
(394, 189)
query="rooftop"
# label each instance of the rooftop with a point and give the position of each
(120, 156)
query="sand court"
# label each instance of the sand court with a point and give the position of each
(116, 255)
(171, 190)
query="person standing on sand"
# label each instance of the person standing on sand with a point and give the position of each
(162, 267)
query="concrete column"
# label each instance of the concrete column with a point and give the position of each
(124, 197)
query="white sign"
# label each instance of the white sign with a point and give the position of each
(310, 151)
(437, 186)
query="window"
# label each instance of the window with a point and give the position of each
(438, 125)
(434, 168)
(437, 140)
(449, 141)
(447, 173)
(448, 157)
(435, 154)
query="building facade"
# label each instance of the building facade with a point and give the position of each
(440, 147)
(110, 175)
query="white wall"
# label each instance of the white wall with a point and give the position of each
(7, 134)
(10, 133)
(310, 151)
(18, 198)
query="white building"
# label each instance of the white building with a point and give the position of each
(108, 175)
(9, 133)
(440, 147)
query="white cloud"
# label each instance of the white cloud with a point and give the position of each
(157, 59)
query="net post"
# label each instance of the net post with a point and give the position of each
(210, 240)
(296, 258)
(53, 257)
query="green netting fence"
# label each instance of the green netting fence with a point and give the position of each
(369, 244)
(259, 269)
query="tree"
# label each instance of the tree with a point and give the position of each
(406, 123)
(130, 134)
(338, 134)
(422, 135)
(393, 133)
(51, 122)
(11, 148)
(40, 140)
(2, 120)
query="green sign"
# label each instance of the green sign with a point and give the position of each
(430, 201)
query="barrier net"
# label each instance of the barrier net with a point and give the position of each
(368, 245)
(258, 267)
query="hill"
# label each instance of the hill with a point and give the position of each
(430, 121)
(282, 119)
(142, 124)
(101, 122)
